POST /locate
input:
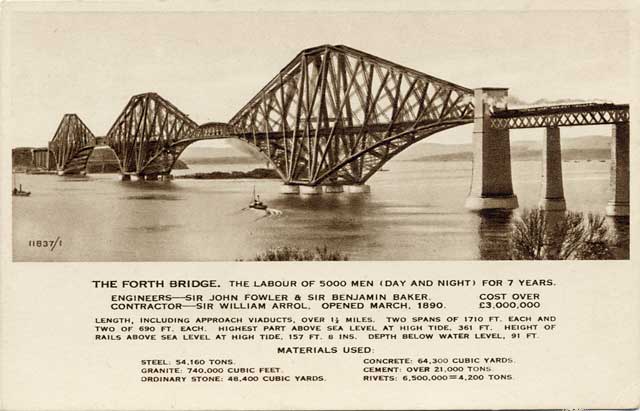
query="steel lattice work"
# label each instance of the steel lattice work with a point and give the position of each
(149, 135)
(213, 130)
(72, 144)
(566, 115)
(335, 115)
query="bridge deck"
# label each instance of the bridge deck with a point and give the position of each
(561, 115)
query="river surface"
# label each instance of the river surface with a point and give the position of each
(414, 212)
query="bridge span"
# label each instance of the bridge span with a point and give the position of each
(491, 184)
(334, 115)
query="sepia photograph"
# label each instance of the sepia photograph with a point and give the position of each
(189, 137)
(444, 190)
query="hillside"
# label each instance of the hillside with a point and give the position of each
(220, 155)
(577, 148)
(101, 160)
(529, 155)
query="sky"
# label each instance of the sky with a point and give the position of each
(210, 64)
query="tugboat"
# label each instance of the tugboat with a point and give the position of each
(19, 191)
(256, 204)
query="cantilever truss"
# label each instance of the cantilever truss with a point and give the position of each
(149, 135)
(72, 144)
(565, 115)
(335, 115)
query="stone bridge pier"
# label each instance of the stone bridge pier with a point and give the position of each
(491, 186)
(552, 188)
(619, 180)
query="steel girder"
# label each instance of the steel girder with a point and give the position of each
(335, 115)
(71, 145)
(213, 130)
(149, 135)
(565, 115)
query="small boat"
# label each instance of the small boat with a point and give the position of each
(255, 203)
(19, 191)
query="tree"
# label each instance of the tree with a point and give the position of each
(288, 253)
(544, 235)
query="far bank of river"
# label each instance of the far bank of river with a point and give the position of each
(256, 173)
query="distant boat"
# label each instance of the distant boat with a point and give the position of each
(255, 203)
(19, 191)
(384, 169)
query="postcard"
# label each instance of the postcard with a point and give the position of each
(270, 206)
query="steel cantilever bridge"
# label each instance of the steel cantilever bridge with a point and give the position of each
(334, 115)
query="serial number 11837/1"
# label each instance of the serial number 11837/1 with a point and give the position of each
(50, 244)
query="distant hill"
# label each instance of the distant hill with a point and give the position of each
(220, 155)
(22, 159)
(530, 155)
(577, 148)
(101, 160)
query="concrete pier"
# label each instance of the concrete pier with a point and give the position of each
(619, 179)
(289, 189)
(126, 177)
(310, 190)
(552, 195)
(333, 189)
(491, 186)
(357, 189)
(151, 177)
(166, 177)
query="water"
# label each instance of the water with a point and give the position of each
(414, 212)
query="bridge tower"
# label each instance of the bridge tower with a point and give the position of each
(335, 115)
(149, 136)
(72, 145)
(491, 186)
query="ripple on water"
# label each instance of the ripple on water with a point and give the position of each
(162, 197)
(156, 228)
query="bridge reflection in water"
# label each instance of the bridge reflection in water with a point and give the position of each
(620, 226)
(494, 234)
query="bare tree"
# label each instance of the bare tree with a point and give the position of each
(541, 235)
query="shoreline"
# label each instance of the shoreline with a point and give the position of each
(256, 173)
